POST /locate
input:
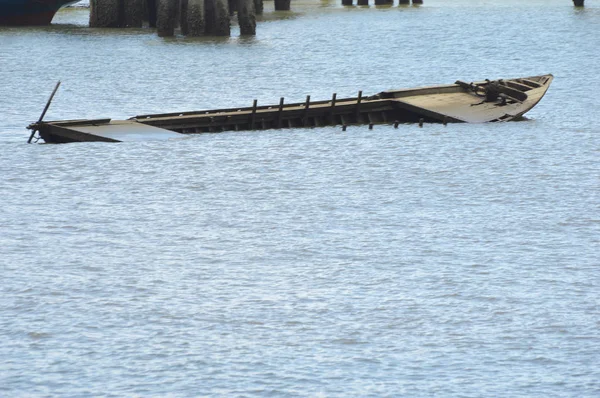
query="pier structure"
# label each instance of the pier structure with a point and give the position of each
(194, 17)
(379, 2)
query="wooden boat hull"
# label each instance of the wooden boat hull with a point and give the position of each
(486, 101)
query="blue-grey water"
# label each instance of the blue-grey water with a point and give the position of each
(456, 261)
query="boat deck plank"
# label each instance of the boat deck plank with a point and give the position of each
(126, 131)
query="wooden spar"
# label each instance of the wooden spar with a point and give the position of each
(280, 112)
(45, 110)
(358, 100)
(253, 115)
(305, 117)
(331, 113)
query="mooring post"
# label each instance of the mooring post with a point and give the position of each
(280, 112)
(417, 1)
(105, 14)
(247, 17)
(222, 18)
(194, 18)
(209, 17)
(346, 2)
(403, 1)
(362, 2)
(578, 3)
(165, 17)
(306, 105)
(233, 6)
(183, 9)
(259, 6)
(151, 7)
(133, 13)
(282, 5)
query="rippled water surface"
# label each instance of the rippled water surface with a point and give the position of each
(435, 261)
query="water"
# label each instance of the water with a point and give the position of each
(449, 261)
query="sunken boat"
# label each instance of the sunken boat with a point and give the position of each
(500, 100)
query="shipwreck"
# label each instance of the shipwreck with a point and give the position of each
(484, 101)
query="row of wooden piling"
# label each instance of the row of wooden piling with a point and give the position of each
(379, 2)
(192, 17)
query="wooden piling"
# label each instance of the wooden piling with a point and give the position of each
(222, 18)
(151, 9)
(362, 2)
(165, 17)
(578, 3)
(259, 6)
(233, 6)
(282, 5)
(403, 1)
(183, 9)
(133, 13)
(105, 14)
(417, 1)
(194, 21)
(209, 17)
(247, 17)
